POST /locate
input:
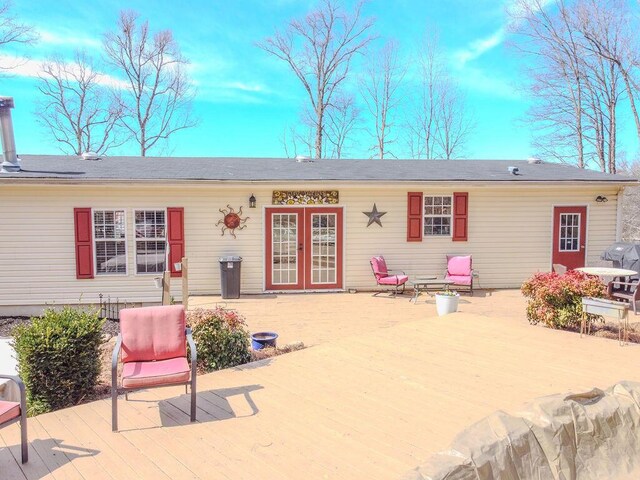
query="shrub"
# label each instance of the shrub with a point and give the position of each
(556, 300)
(58, 357)
(221, 338)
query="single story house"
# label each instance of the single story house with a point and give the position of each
(74, 228)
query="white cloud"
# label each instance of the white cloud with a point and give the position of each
(67, 37)
(27, 67)
(479, 47)
(490, 84)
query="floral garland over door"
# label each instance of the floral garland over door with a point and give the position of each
(312, 197)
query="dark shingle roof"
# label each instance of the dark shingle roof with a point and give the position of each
(57, 167)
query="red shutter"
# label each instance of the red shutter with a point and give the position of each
(84, 242)
(175, 237)
(414, 217)
(460, 216)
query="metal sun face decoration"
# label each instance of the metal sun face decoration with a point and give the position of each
(231, 221)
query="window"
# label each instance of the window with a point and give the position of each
(437, 215)
(151, 245)
(109, 228)
(569, 232)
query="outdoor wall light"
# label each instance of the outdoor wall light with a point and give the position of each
(252, 201)
(601, 199)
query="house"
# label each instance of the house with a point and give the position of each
(74, 228)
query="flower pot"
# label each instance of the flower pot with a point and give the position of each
(157, 282)
(261, 340)
(446, 304)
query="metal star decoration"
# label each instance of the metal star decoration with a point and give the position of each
(374, 215)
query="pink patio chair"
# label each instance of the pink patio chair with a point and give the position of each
(12, 412)
(154, 353)
(385, 277)
(460, 271)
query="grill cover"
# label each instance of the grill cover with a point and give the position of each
(624, 255)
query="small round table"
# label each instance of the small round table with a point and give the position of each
(607, 271)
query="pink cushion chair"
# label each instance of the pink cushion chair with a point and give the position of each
(384, 277)
(153, 347)
(460, 271)
(12, 412)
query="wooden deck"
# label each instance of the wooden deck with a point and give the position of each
(366, 406)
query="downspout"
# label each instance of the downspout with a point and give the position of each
(619, 213)
(10, 163)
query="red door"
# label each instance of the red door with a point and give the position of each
(569, 236)
(304, 248)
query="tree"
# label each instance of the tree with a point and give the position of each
(79, 112)
(584, 53)
(439, 125)
(380, 89)
(13, 31)
(631, 206)
(157, 100)
(319, 50)
(342, 118)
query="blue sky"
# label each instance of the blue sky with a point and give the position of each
(246, 98)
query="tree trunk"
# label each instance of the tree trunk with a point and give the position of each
(319, 128)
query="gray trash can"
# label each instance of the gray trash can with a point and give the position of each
(230, 276)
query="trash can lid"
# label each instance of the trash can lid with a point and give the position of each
(230, 259)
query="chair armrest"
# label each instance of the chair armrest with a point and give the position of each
(114, 360)
(23, 391)
(627, 284)
(192, 346)
(395, 272)
(18, 381)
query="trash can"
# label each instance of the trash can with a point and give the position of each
(230, 276)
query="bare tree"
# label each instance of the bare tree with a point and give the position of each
(319, 50)
(342, 118)
(439, 125)
(380, 89)
(585, 54)
(422, 124)
(78, 111)
(12, 31)
(158, 96)
(453, 124)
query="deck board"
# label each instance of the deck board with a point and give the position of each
(372, 405)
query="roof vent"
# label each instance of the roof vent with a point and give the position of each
(534, 161)
(303, 159)
(11, 162)
(90, 156)
(514, 170)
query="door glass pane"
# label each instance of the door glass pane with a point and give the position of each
(323, 248)
(569, 232)
(284, 240)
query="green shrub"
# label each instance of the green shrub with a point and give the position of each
(221, 338)
(58, 357)
(556, 300)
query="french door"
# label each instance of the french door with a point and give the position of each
(303, 248)
(569, 236)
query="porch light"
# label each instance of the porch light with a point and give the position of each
(601, 199)
(252, 201)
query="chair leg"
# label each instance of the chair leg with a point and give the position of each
(114, 408)
(23, 437)
(193, 399)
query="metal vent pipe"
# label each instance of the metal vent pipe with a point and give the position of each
(10, 163)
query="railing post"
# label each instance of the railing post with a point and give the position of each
(185, 283)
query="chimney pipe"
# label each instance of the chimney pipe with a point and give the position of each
(10, 163)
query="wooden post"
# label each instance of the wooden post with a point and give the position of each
(185, 283)
(166, 287)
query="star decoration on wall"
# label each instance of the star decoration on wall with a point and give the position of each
(374, 215)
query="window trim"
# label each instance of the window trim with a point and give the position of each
(95, 241)
(135, 240)
(425, 216)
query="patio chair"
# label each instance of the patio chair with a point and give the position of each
(385, 277)
(559, 268)
(12, 412)
(625, 291)
(460, 271)
(152, 343)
